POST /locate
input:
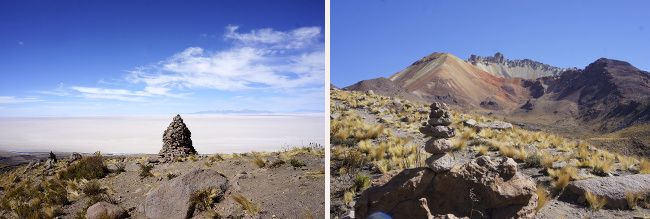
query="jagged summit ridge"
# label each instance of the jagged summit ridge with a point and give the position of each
(498, 65)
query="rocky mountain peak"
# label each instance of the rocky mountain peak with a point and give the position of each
(525, 68)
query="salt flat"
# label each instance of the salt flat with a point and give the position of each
(143, 134)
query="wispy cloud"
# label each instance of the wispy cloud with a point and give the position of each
(13, 99)
(260, 59)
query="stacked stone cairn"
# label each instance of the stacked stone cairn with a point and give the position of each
(177, 141)
(438, 129)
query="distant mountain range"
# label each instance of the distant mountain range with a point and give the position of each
(609, 94)
(247, 111)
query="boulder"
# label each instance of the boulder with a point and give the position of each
(498, 125)
(440, 162)
(437, 146)
(50, 163)
(482, 188)
(171, 199)
(438, 113)
(613, 188)
(438, 131)
(105, 210)
(75, 156)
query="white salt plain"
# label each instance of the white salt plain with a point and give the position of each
(143, 134)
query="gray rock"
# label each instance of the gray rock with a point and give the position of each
(613, 188)
(470, 123)
(438, 146)
(440, 162)
(177, 141)
(171, 199)
(438, 131)
(105, 210)
(438, 113)
(498, 125)
(445, 121)
(558, 164)
(50, 163)
(75, 156)
(507, 167)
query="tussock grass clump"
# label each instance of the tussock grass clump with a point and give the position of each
(350, 129)
(482, 150)
(92, 167)
(34, 199)
(348, 196)
(277, 163)
(644, 166)
(632, 199)
(246, 204)
(542, 197)
(93, 188)
(595, 202)
(297, 163)
(361, 182)
(203, 200)
(120, 167)
(259, 161)
(145, 170)
(562, 177)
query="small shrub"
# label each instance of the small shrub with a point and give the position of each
(644, 166)
(361, 182)
(193, 158)
(277, 163)
(482, 150)
(563, 176)
(91, 167)
(296, 163)
(348, 196)
(542, 197)
(145, 170)
(594, 201)
(93, 188)
(246, 204)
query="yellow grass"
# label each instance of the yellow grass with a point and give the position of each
(594, 201)
(542, 197)
(246, 204)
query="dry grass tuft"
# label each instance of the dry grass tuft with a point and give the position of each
(595, 202)
(246, 204)
(542, 197)
(644, 166)
(259, 161)
(632, 199)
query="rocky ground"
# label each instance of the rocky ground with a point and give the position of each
(374, 138)
(287, 184)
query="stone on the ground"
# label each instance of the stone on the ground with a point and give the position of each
(440, 162)
(437, 146)
(470, 123)
(480, 187)
(439, 131)
(177, 141)
(171, 199)
(613, 188)
(498, 125)
(105, 210)
(50, 163)
(75, 156)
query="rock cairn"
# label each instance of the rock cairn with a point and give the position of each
(438, 129)
(177, 141)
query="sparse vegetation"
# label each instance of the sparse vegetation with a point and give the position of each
(277, 163)
(93, 188)
(632, 200)
(259, 161)
(92, 167)
(171, 176)
(348, 196)
(542, 197)
(203, 200)
(145, 170)
(246, 204)
(361, 182)
(297, 163)
(595, 202)
(120, 167)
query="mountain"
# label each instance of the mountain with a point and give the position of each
(611, 92)
(606, 95)
(447, 78)
(499, 66)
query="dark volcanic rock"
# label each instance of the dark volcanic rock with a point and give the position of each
(177, 140)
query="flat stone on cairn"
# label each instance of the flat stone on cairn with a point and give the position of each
(177, 141)
(437, 128)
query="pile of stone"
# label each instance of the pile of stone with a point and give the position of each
(438, 129)
(177, 141)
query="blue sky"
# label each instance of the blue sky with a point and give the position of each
(370, 39)
(83, 58)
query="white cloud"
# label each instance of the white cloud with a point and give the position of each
(263, 59)
(12, 99)
(60, 90)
